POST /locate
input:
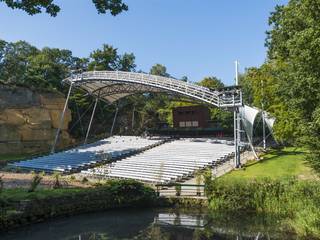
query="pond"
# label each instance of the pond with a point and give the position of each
(152, 224)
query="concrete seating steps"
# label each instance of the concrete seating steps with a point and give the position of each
(168, 162)
(83, 157)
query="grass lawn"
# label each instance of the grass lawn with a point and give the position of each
(276, 164)
(18, 194)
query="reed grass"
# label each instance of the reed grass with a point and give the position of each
(295, 201)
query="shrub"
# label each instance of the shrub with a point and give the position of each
(57, 182)
(178, 189)
(129, 189)
(37, 177)
(297, 202)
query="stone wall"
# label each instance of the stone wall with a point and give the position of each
(29, 120)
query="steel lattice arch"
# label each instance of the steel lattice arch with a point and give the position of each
(111, 86)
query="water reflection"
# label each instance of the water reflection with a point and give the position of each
(152, 224)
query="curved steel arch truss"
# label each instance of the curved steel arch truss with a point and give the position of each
(114, 85)
(111, 86)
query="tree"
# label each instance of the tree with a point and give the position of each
(221, 117)
(108, 58)
(211, 82)
(290, 76)
(127, 62)
(14, 61)
(49, 67)
(33, 7)
(184, 79)
(159, 70)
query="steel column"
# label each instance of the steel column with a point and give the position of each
(91, 119)
(61, 119)
(132, 121)
(236, 122)
(114, 121)
(237, 138)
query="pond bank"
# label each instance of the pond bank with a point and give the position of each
(18, 207)
(295, 202)
(150, 224)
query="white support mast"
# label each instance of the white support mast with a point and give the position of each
(237, 124)
(61, 119)
(91, 119)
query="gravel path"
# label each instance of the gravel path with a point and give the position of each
(23, 180)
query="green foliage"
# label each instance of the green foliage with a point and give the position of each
(43, 69)
(294, 201)
(38, 6)
(108, 58)
(123, 190)
(177, 187)
(24, 64)
(159, 70)
(211, 82)
(287, 85)
(57, 182)
(114, 6)
(37, 178)
(47, 203)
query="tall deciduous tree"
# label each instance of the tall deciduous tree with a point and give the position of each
(211, 82)
(290, 77)
(108, 58)
(159, 70)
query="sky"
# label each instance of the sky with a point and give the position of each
(191, 38)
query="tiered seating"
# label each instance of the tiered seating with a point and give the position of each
(168, 162)
(87, 155)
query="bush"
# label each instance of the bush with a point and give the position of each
(178, 189)
(37, 177)
(57, 182)
(297, 202)
(129, 189)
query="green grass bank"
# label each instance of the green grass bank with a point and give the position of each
(286, 162)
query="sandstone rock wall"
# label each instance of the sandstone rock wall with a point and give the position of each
(29, 120)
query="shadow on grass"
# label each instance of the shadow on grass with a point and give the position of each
(275, 154)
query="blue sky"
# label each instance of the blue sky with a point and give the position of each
(190, 37)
